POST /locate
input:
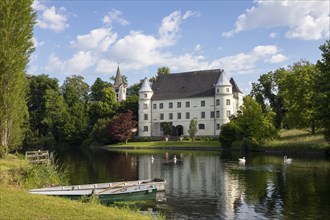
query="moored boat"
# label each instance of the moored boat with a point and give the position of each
(159, 183)
(108, 192)
(105, 195)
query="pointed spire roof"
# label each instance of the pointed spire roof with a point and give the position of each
(119, 79)
(223, 80)
(145, 86)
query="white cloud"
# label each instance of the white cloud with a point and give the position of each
(114, 15)
(273, 35)
(277, 58)
(170, 27)
(37, 43)
(245, 63)
(307, 20)
(51, 18)
(99, 39)
(75, 65)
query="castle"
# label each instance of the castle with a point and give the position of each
(207, 96)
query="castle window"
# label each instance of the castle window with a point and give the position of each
(170, 105)
(218, 114)
(187, 104)
(227, 101)
(227, 89)
(218, 90)
(228, 113)
(145, 95)
(161, 116)
(145, 117)
(217, 102)
(187, 115)
(179, 115)
(202, 114)
(212, 114)
(161, 105)
(170, 116)
(155, 106)
(178, 104)
(201, 126)
(202, 103)
(145, 106)
(145, 128)
(218, 126)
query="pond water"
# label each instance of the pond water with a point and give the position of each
(213, 185)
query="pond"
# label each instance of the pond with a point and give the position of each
(213, 185)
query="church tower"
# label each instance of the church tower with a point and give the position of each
(119, 86)
(145, 112)
(224, 99)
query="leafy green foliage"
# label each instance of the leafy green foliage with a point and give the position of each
(323, 88)
(300, 98)
(192, 128)
(229, 133)
(251, 124)
(16, 30)
(167, 127)
(100, 132)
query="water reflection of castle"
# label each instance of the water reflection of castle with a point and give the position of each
(191, 177)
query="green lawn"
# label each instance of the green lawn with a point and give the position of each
(298, 140)
(16, 204)
(168, 144)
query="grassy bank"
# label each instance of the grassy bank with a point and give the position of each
(17, 203)
(168, 144)
(298, 140)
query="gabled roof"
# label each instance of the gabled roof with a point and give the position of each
(188, 84)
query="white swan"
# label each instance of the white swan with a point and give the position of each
(152, 157)
(241, 160)
(174, 159)
(287, 160)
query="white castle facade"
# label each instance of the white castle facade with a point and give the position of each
(207, 96)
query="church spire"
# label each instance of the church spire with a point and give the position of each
(118, 79)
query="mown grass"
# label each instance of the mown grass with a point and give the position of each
(168, 144)
(16, 203)
(298, 140)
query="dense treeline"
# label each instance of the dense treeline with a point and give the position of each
(294, 97)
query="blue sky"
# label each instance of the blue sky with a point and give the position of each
(245, 38)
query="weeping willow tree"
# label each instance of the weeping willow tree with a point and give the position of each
(16, 31)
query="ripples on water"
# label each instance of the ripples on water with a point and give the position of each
(213, 186)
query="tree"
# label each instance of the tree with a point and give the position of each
(323, 89)
(229, 134)
(105, 107)
(75, 93)
(123, 126)
(266, 91)
(38, 86)
(167, 127)
(97, 89)
(164, 70)
(253, 123)
(16, 30)
(193, 128)
(296, 87)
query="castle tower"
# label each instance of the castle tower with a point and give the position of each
(119, 86)
(145, 112)
(224, 99)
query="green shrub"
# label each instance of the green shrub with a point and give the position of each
(42, 175)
